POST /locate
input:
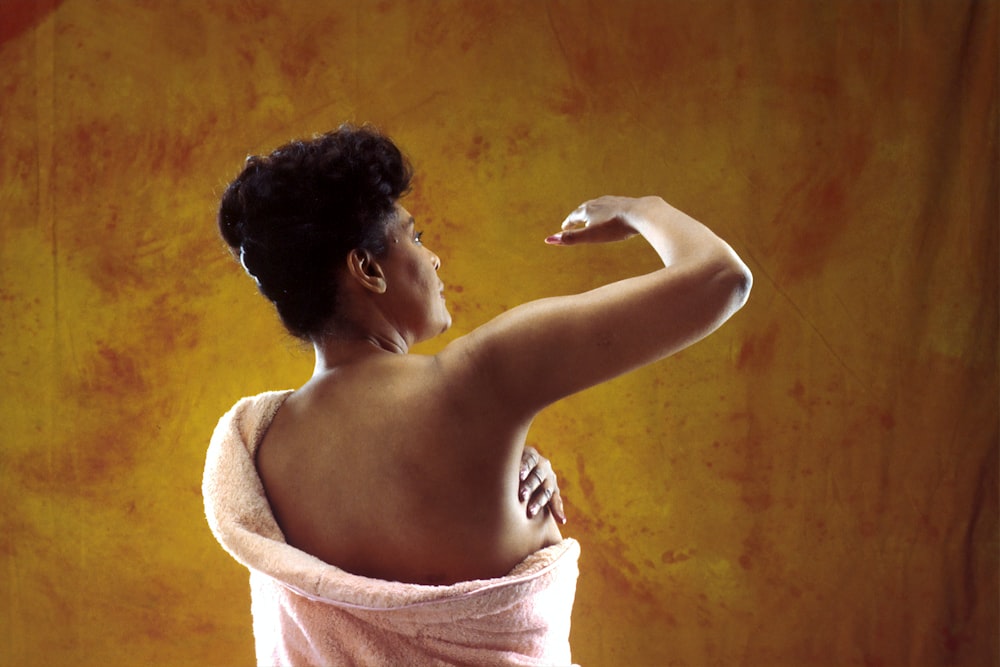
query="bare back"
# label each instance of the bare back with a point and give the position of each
(389, 467)
(406, 467)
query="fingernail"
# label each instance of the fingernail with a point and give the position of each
(555, 239)
(532, 510)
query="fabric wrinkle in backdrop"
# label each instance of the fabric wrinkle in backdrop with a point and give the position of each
(815, 484)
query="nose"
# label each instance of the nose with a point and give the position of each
(435, 260)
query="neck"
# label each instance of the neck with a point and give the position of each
(337, 350)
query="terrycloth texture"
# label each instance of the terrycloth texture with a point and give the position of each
(307, 612)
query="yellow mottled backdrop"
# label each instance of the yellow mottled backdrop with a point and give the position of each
(816, 484)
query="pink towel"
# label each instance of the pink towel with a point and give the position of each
(307, 612)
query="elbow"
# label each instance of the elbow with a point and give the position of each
(733, 283)
(742, 284)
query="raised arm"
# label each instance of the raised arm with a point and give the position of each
(545, 350)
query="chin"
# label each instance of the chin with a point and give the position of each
(446, 316)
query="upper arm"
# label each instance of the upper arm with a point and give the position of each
(545, 350)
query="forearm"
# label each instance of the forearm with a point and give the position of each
(678, 238)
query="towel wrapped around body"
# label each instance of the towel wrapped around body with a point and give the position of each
(308, 612)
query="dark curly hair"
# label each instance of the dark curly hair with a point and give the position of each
(292, 217)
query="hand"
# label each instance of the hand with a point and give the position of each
(603, 220)
(539, 484)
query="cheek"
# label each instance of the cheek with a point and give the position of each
(425, 277)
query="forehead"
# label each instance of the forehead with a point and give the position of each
(402, 218)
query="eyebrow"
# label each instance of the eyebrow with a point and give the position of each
(411, 222)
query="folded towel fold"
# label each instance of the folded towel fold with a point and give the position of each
(308, 612)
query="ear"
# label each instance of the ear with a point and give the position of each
(364, 268)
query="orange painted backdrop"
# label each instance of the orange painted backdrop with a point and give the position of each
(816, 484)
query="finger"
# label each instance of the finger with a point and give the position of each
(575, 221)
(540, 499)
(556, 506)
(531, 484)
(567, 236)
(608, 231)
(576, 218)
(529, 459)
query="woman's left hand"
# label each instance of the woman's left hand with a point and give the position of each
(539, 485)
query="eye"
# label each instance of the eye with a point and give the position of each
(416, 238)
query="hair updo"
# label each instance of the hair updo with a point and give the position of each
(293, 216)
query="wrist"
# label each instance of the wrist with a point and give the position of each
(649, 213)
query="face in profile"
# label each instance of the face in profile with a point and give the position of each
(414, 292)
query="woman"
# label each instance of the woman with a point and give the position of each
(405, 468)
